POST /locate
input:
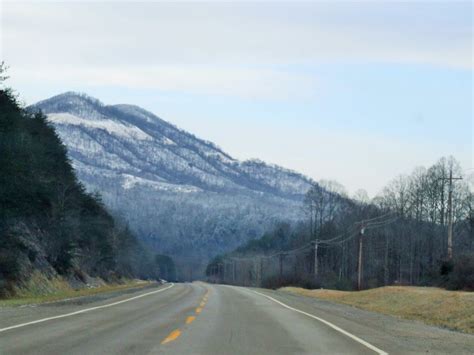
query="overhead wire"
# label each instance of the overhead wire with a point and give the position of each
(375, 222)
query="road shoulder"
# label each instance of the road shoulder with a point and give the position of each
(394, 335)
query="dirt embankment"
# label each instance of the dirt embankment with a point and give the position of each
(42, 289)
(27, 276)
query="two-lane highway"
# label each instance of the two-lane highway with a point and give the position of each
(200, 318)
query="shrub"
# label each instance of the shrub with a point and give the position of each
(461, 276)
(304, 280)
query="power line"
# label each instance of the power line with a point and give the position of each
(299, 249)
(381, 224)
(338, 236)
(340, 241)
(379, 217)
(328, 241)
(239, 266)
(359, 223)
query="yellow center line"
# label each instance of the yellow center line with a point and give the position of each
(176, 333)
(173, 336)
(203, 302)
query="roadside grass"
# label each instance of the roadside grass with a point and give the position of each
(433, 306)
(43, 290)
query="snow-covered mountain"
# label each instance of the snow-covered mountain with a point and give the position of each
(146, 167)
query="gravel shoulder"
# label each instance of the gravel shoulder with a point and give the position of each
(392, 334)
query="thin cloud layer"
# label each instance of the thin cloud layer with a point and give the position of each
(222, 48)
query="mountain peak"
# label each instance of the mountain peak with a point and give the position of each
(71, 97)
(74, 103)
(127, 139)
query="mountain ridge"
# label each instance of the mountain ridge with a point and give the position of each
(182, 195)
(88, 111)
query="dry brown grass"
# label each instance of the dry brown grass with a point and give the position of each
(434, 306)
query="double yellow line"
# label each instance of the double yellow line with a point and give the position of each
(175, 334)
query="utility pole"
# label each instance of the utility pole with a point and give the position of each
(359, 266)
(220, 272)
(450, 211)
(281, 267)
(316, 258)
(255, 270)
(386, 274)
(233, 271)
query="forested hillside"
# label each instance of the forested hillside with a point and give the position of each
(400, 237)
(49, 224)
(182, 196)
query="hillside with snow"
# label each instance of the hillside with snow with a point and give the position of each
(174, 189)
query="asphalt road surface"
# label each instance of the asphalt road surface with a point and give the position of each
(200, 318)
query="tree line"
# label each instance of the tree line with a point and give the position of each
(48, 222)
(398, 237)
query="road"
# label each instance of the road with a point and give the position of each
(200, 318)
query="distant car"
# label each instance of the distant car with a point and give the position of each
(161, 281)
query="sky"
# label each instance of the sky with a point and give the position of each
(357, 92)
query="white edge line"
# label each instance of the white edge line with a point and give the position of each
(335, 327)
(84, 310)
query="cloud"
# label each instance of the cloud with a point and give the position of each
(195, 79)
(240, 49)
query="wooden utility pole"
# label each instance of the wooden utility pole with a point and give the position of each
(233, 271)
(316, 270)
(359, 266)
(442, 200)
(220, 271)
(386, 274)
(295, 268)
(450, 211)
(255, 270)
(450, 216)
(281, 266)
